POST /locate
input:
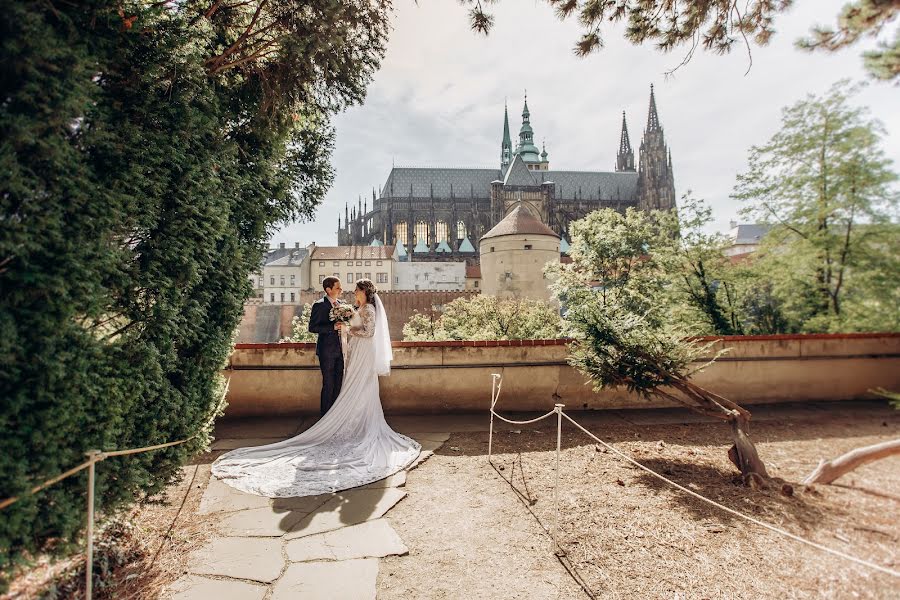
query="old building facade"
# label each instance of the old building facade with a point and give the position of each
(440, 214)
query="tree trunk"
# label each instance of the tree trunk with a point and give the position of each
(828, 471)
(743, 454)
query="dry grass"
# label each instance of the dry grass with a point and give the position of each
(628, 535)
(147, 548)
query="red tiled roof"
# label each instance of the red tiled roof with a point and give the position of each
(519, 222)
(353, 252)
(473, 271)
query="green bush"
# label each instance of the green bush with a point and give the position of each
(146, 152)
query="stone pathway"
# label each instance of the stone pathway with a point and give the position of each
(325, 546)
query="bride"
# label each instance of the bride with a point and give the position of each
(351, 445)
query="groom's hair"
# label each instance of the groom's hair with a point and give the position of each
(329, 282)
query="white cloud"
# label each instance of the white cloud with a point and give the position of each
(438, 100)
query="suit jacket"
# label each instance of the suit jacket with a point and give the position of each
(329, 342)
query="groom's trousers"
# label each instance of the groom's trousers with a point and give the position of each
(332, 366)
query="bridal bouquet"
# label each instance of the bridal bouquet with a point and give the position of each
(342, 313)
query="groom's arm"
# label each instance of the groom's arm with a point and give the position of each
(319, 322)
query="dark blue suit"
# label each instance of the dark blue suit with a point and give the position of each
(328, 349)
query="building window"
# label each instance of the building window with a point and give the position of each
(441, 232)
(528, 246)
(292, 296)
(426, 276)
(321, 279)
(335, 263)
(349, 277)
(476, 283)
(282, 296)
(460, 231)
(421, 232)
(492, 248)
(349, 263)
(293, 276)
(368, 263)
(261, 281)
(400, 232)
(282, 280)
(321, 263)
(271, 297)
(377, 263)
(272, 280)
(358, 276)
(368, 276)
(359, 263)
(382, 277)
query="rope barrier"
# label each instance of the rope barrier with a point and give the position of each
(558, 409)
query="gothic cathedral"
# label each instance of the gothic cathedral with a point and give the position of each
(441, 213)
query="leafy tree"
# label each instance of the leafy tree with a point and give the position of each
(487, 318)
(717, 25)
(618, 304)
(300, 327)
(824, 186)
(147, 151)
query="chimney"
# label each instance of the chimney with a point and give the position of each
(296, 244)
(281, 245)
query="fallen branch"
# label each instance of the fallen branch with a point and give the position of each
(828, 471)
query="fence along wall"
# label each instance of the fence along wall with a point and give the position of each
(438, 377)
(268, 323)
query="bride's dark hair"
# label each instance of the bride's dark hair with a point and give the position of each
(368, 287)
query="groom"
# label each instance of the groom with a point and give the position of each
(328, 346)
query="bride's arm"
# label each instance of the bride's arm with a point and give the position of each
(367, 329)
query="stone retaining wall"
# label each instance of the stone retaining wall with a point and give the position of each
(437, 377)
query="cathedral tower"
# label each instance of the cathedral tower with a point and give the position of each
(625, 158)
(656, 183)
(506, 150)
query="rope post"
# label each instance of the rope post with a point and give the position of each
(494, 378)
(93, 457)
(558, 408)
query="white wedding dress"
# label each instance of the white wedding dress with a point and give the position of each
(350, 446)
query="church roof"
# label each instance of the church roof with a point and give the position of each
(422, 181)
(518, 173)
(564, 246)
(570, 185)
(285, 257)
(466, 246)
(443, 247)
(519, 222)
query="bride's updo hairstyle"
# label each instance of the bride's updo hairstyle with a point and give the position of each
(368, 287)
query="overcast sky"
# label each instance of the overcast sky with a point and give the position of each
(438, 100)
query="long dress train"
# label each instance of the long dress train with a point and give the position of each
(350, 446)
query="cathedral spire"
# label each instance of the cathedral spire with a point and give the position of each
(652, 117)
(506, 145)
(625, 158)
(526, 149)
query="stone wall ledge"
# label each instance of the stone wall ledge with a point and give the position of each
(447, 376)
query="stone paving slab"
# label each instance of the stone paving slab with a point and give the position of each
(429, 435)
(398, 479)
(337, 580)
(258, 427)
(219, 496)
(348, 508)
(372, 539)
(232, 443)
(261, 522)
(193, 587)
(423, 456)
(430, 445)
(257, 559)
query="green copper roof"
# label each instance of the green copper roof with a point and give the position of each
(421, 246)
(563, 246)
(401, 251)
(526, 148)
(443, 247)
(376, 242)
(466, 246)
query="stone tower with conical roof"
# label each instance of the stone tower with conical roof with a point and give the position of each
(656, 183)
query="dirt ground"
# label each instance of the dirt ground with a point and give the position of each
(476, 532)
